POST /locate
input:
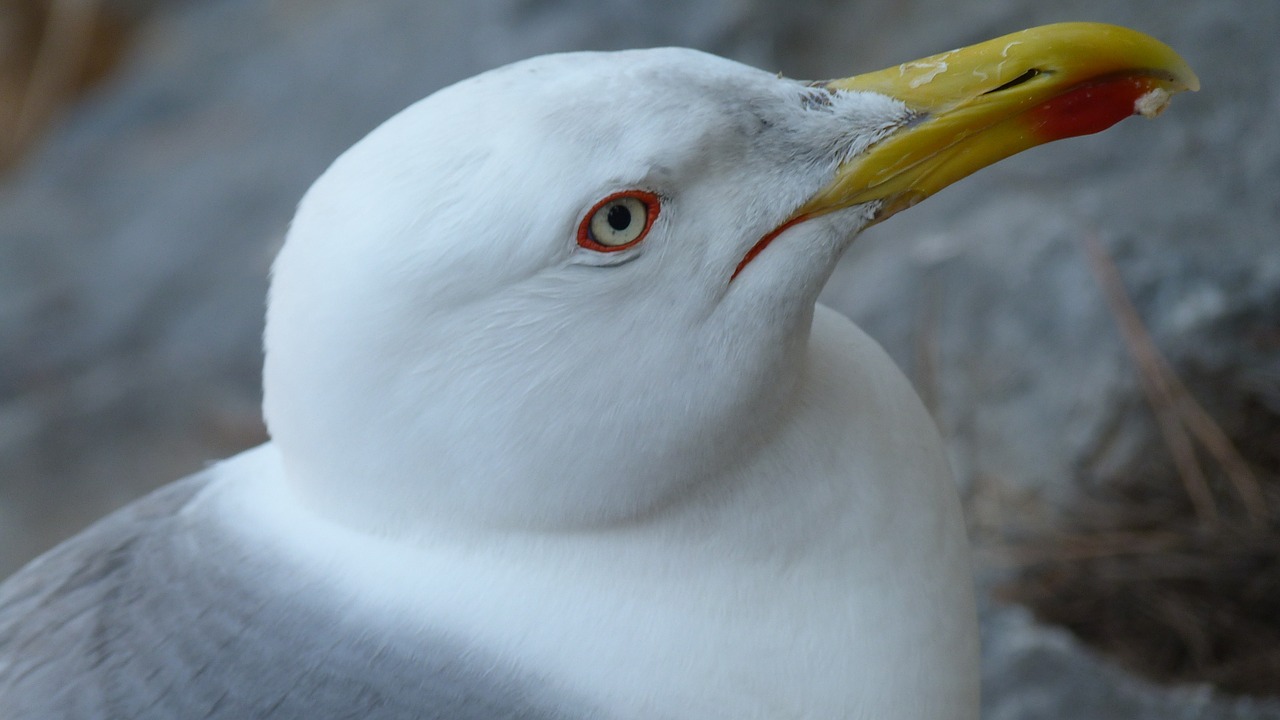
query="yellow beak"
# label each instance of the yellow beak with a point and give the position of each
(980, 104)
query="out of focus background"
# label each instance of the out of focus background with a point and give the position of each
(1095, 323)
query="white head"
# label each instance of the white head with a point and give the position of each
(439, 344)
(451, 341)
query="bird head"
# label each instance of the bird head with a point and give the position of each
(568, 291)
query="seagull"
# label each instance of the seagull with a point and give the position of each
(558, 428)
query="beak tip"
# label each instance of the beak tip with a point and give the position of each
(1153, 102)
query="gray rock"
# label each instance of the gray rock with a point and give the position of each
(1030, 672)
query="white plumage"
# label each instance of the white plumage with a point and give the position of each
(671, 494)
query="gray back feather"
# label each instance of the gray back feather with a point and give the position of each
(153, 614)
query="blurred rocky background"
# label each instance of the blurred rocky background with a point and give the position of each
(1095, 324)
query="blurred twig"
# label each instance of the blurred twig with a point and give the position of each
(50, 50)
(927, 347)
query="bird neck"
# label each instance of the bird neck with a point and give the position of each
(839, 526)
(509, 431)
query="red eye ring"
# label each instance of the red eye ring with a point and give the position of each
(652, 206)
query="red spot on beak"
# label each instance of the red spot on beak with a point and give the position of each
(1089, 108)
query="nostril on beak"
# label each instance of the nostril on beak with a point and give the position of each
(1033, 72)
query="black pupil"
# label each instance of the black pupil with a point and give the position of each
(619, 217)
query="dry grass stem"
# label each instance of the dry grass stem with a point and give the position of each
(1178, 581)
(1179, 416)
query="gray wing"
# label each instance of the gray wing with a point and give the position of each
(148, 614)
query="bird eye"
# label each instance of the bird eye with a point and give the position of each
(618, 221)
